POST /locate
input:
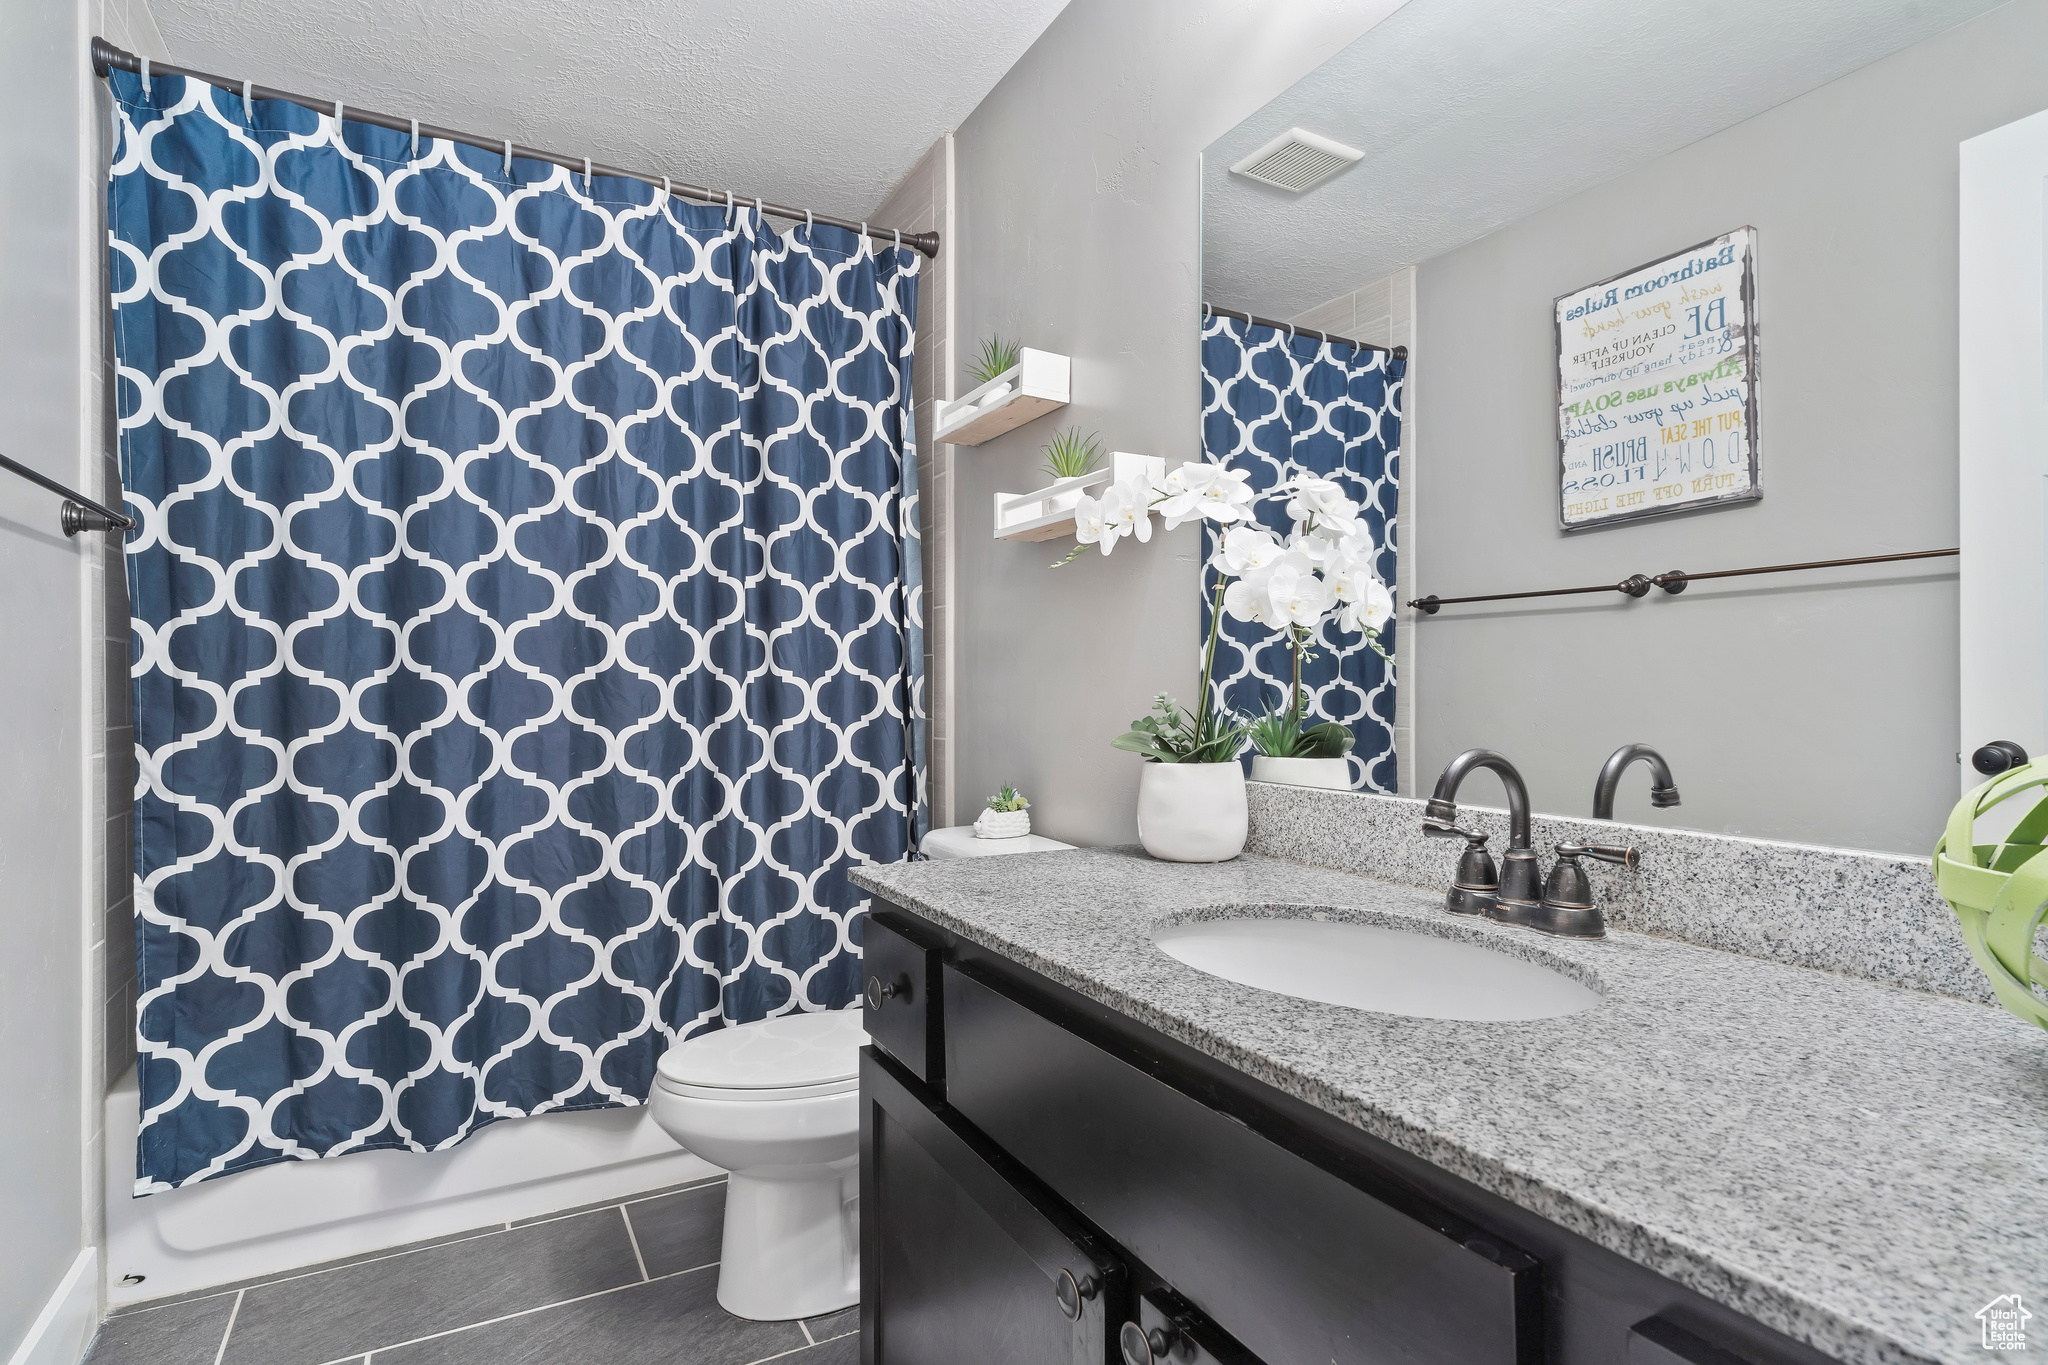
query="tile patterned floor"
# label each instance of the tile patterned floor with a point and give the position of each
(630, 1283)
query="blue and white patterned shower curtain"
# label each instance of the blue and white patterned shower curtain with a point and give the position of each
(1276, 405)
(525, 624)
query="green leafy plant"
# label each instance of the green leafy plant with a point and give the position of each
(1171, 733)
(998, 354)
(1280, 734)
(1070, 454)
(1008, 799)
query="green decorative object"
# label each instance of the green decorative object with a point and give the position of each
(2000, 891)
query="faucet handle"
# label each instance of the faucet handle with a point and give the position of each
(1624, 854)
(1443, 829)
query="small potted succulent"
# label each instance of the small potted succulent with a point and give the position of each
(1285, 750)
(1008, 816)
(999, 355)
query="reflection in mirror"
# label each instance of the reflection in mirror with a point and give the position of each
(1628, 341)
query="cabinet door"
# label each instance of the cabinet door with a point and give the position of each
(963, 1255)
(1298, 1264)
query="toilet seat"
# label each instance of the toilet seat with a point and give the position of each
(792, 1056)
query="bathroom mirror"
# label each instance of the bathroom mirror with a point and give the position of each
(1407, 193)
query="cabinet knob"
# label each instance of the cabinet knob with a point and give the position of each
(1070, 1292)
(1141, 1347)
(880, 994)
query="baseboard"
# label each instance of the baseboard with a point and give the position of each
(63, 1331)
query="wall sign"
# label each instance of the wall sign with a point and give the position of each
(1656, 387)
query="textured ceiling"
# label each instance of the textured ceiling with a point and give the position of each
(822, 104)
(1474, 113)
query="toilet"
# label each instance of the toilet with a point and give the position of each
(777, 1104)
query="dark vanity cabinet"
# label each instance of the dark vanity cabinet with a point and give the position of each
(1046, 1180)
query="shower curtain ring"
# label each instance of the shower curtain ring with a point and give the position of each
(760, 218)
(666, 194)
(899, 237)
(415, 139)
(337, 119)
(248, 107)
(586, 175)
(728, 208)
(145, 78)
(508, 156)
(810, 225)
(863, 238)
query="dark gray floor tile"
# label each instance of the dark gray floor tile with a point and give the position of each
(360, 1307)
(680, 1231)
(180, 1334)
(662, 1323)
(655, 1193)
(838, 1351)
(834, 1324)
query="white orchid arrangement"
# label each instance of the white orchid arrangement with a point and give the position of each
(1323, 567)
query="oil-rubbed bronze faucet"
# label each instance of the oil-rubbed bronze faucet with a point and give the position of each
(1514, 897)
(1564, 906)
(1663, 791)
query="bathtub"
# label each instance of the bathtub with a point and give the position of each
(297, 1213)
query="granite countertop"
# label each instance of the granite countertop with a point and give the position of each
(1860, 1166)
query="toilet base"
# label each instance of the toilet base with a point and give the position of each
(792, 1242)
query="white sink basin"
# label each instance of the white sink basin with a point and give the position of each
(1368, 967)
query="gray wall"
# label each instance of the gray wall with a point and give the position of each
(1819, 707)
(44, 1047)
(1077, 200)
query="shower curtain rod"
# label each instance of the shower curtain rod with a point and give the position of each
(106, 55)
(1210, 309)
(79, 513)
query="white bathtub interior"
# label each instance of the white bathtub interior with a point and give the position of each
(298, 1213)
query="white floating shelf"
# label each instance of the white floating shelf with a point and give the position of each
(1040, 382)
(1048, 513)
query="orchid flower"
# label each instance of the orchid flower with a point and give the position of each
(1087, 520)
(1124, 512)
(1228, 497)
(1246, 548)
(1178, 495)
(1296, 595)
(1369, 611)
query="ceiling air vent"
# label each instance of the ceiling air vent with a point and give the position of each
(1296, 161)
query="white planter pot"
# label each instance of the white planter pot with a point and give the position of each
(1002, 824)
(1332, 773)
(1192, 812)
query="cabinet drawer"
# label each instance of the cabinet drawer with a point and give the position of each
(1294, 1262)
(899, 1005)
(963, 1258)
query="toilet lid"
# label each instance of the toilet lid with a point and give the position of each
(788, 1051)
